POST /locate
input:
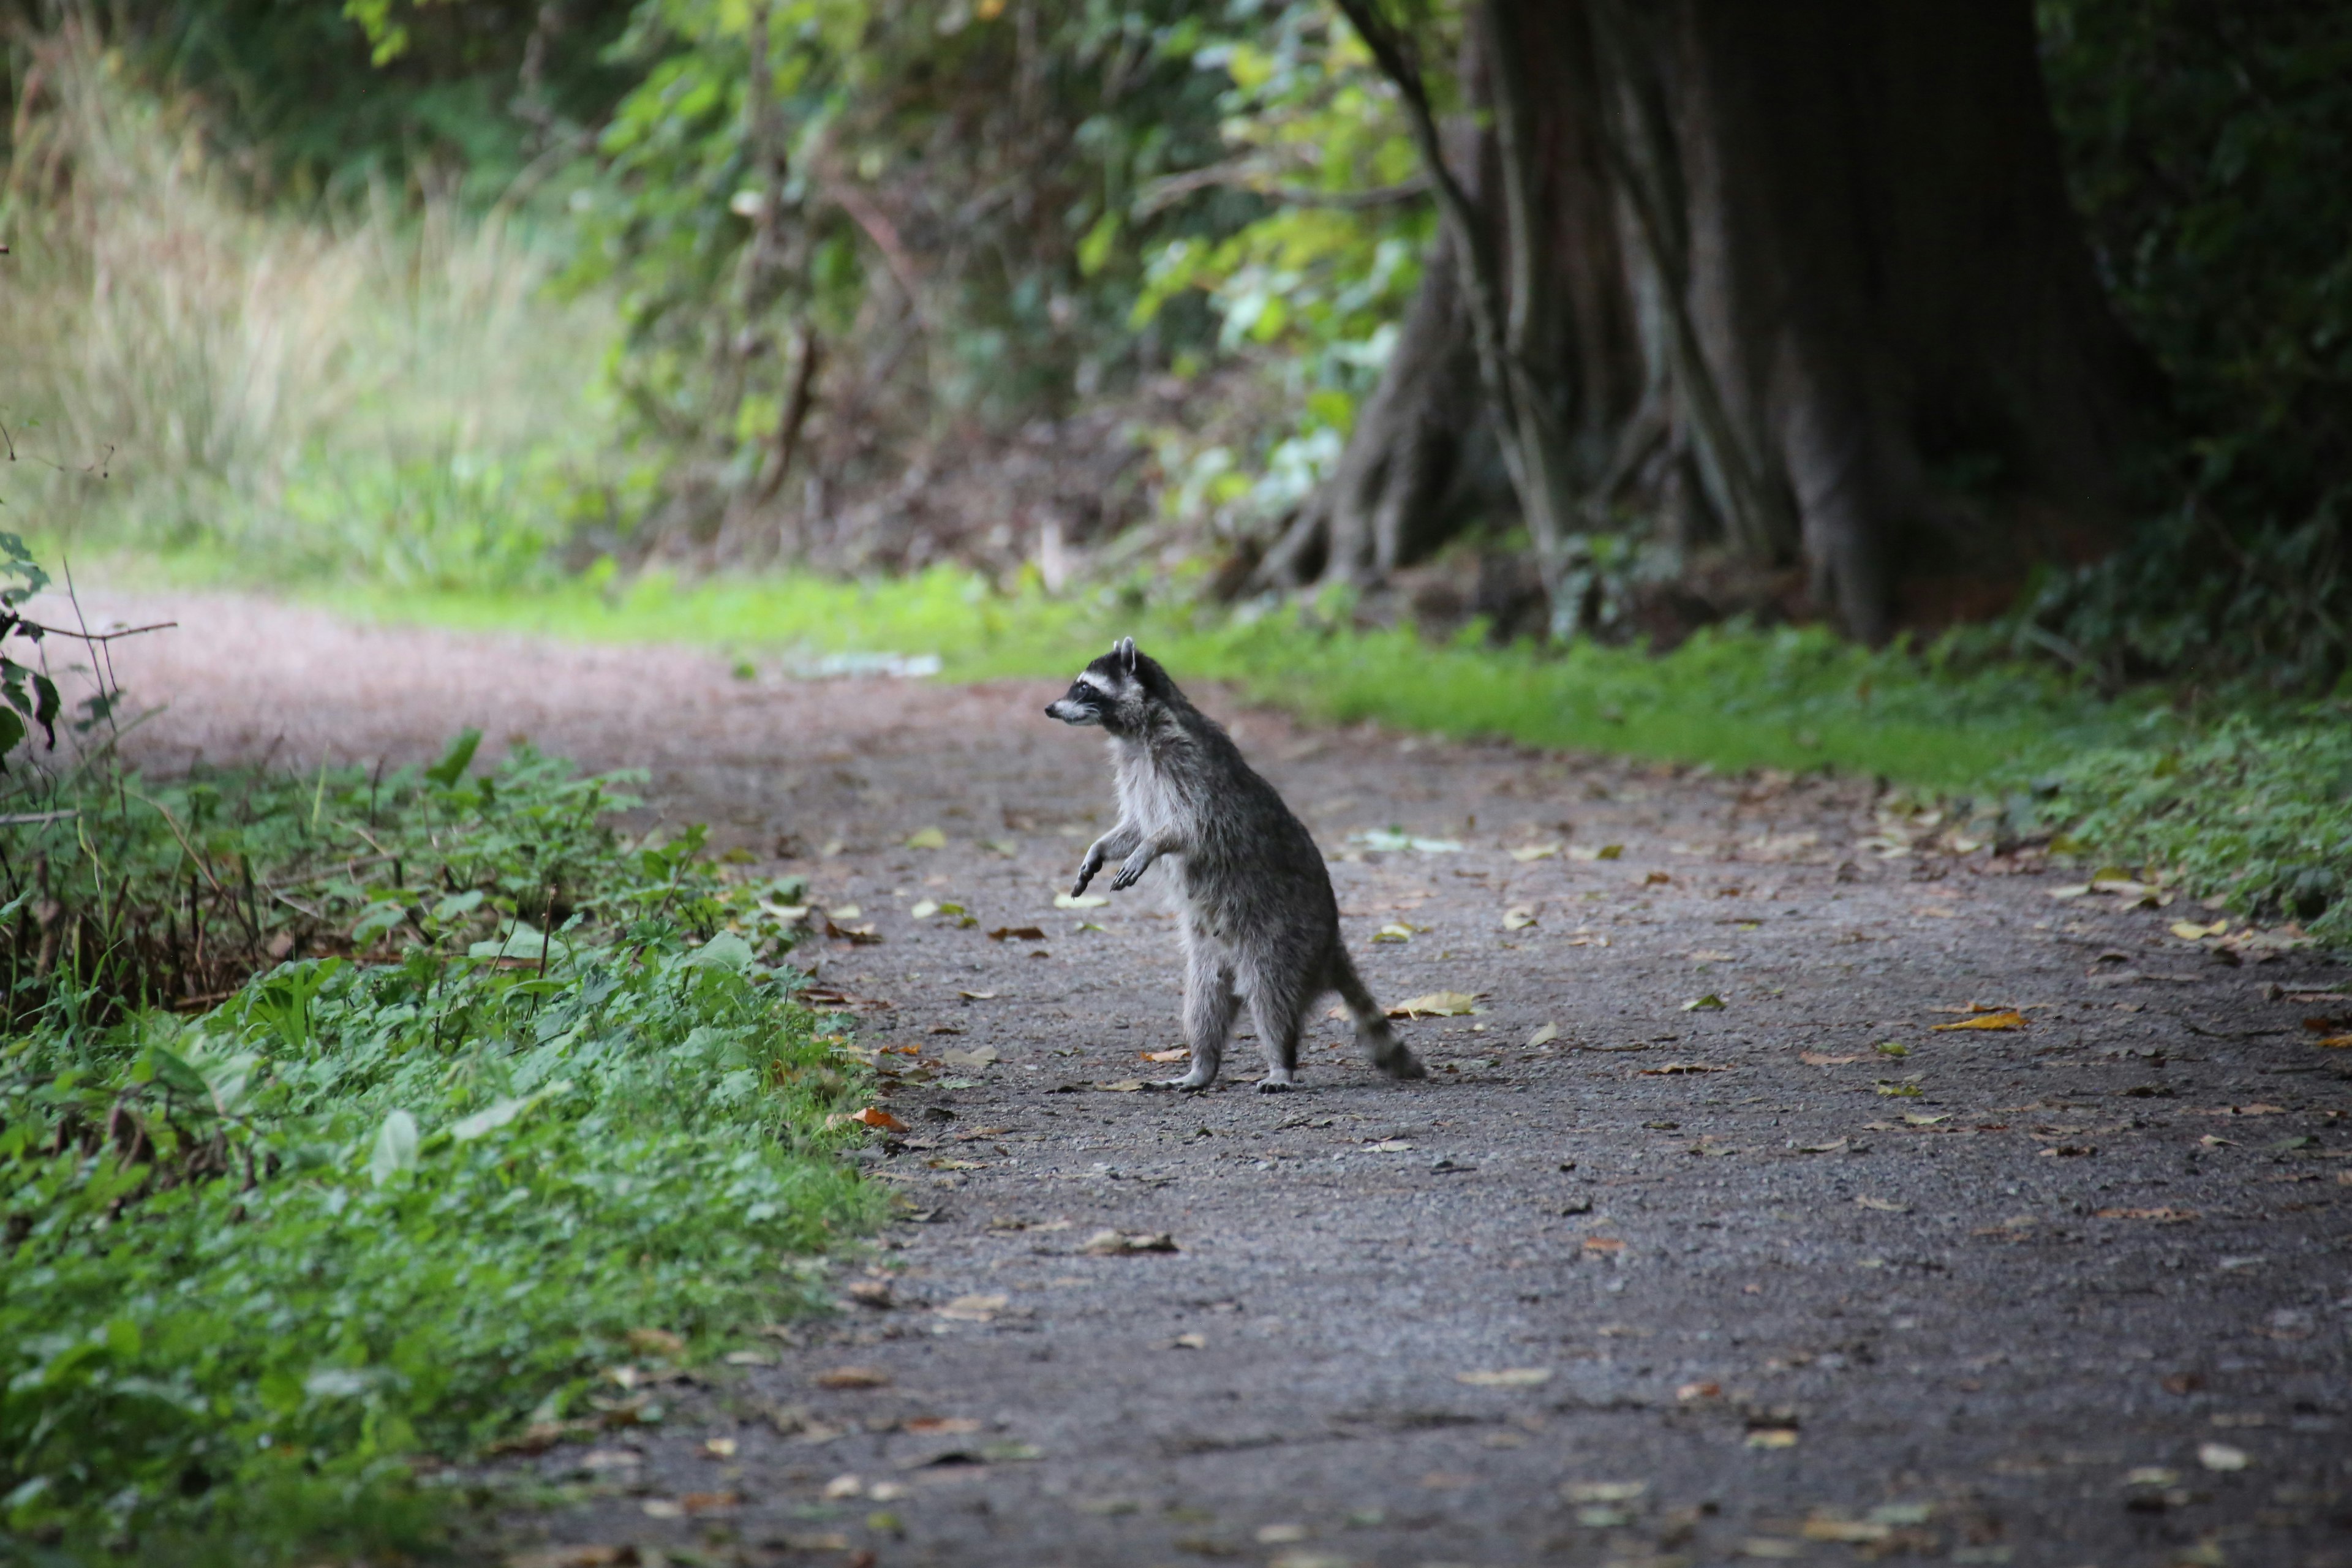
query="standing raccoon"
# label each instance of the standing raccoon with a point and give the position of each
(1259, 918)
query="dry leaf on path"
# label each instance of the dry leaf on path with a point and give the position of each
(1437, 1004)
(872, 1116)
(1176, 1055)
(974, 1309)
(1543, 1036)
(1506, 1377)
(656, 1341)
(1518, 917)
(1603, 1244)
(1394, 933)
(1815, 1059)
(2007, 1018)
(977, 995)
(1124, 1086)
(1829, 1148)
(980, 1057)
(1772, 1438)
(1017, 933)
(1527, 852)
(926, 838)
(2221, 1457)
(1710, 1002)
(938, 1425)
(1388, 1146)
(853, 1377)
(1079, 900)
(1884, 1205)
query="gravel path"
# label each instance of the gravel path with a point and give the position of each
(1806, 1276)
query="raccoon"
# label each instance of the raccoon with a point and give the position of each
(1259, 919)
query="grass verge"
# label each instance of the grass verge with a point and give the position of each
(2231, 792)
(401, 1193)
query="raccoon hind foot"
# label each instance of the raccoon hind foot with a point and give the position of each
(1400, 1064)
(1276, 1081)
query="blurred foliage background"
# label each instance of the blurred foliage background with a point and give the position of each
(476, 292)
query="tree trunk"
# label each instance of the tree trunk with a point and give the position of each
(1801, 269)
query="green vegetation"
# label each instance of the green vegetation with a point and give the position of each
(2235, 792)
(401, 1193)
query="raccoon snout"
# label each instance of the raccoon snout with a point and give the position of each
(1068, 711)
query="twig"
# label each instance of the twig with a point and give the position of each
(93, 637)
(33, 818)
(172, 823)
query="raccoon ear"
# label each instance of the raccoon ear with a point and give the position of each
(1123, 653)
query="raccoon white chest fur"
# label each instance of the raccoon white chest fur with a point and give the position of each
(1259, 919)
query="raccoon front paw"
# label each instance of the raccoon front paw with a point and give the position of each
(1403, 1064)
(1188, 1084)
(1272, 1084)
(1130, 871)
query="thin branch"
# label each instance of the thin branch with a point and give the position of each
(1242, 173)
(48, 631)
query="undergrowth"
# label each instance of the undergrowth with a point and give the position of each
(401, 1196)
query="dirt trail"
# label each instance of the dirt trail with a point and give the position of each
(1672, 1285)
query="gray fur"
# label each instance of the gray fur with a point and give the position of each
(1259, 919)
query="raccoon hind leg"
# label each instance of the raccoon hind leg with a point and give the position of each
(1209, 1007)
(1278, 1017)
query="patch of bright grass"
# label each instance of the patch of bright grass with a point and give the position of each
(254, 1258)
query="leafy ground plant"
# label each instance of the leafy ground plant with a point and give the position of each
(260, 1255)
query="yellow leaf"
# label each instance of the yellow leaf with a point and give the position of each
(1079, 902)
(1124, 1086)
(1772, 1438)
(2007, 1018)
(1437, 1004)
(1518, 917)
(1394, 933)
(1506, 1377)
(1178, 1054)
(1536, 851)
(926, 838)
(1544, 1035)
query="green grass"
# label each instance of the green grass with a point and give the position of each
(2239, 794)
(403, 1194)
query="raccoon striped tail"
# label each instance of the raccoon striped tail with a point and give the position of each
(1388, 1053)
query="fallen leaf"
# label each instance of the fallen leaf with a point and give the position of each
(980, 1057)
(853, 1377)
(924, 910)
(1388, 1146)
(2221, 1457)
(1527, 852)
(1016, 933)
(938, 1425)
(974, 1309)
(1280, 1534)
(656, 1341)
(1605, 1243)
(1656, 879)
(718, 1447)
(1394, 933)
(1692, 1392)
(1884, 1205)
(1830, 1147)
(845, 912)
(1176, 1055)
(1122, 1244)
(2071, 1150)
(2333, 1042)
(874, 1293)
(573, 1557)
(1079, 900)
(977, 995)
(1188, 1343)
(1855, 1531)
(1124, 1086)
(2188, 932)
(1518, 917)
(1506, 1377)
(1709, 955)
(2007, 1018)
(2167, 1215)
(842, 1488)
(1392, 839)
(1710, 1002)
(1544, 1035)
(662, 1508)
(1608, 852)
(1437, 1004)
(1815, 1059)
(1915, 1120)
(1772, 1438)
(926, 838)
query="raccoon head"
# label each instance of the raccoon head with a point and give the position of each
(1117, 691)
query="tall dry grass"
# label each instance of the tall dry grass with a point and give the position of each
(178, 368)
